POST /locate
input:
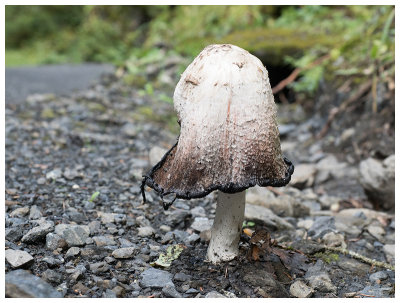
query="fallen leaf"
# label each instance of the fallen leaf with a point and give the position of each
(172, 253)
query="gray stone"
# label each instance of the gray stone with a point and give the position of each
(198, 211)
(145, 231)
(376, 231)
(378, 276)
(389, 250)
(303, 176)
(94, 227)
(77, 274)
(14, 234)
(377, 179)
(321, 226)
(319, 279)
(201, 224)
(130, 129)
(181, 277)
(165, 228)
(38, 233)
(104, 240)
(52, 276)
(353, 266)
(62, 289)
(54, 241)
(75, 216)
(170, 292)
(363, 213)
(193, 238)
(35, 213)
(99, 267)
(214, 294)
(376, 291)
(256, 212)
(327, 201)
(54, 174)
(176, 216)
(21, 284)
(76, 235)
(72, 252)
(181, 205)
(287, 206)
(299, 289)
(125, 242)
(285, 129)
(20, 212)
(259, 195)
(329, 168)
(312, 205)
(18, 258)
(351, 223)
(71, 174)
(51, 261)
(41, 181)
(124, 253)
(333, 239)
(180, 235)
(259, 277)
(109, 294)
(306, 224)
(155, 278)
(106, 217)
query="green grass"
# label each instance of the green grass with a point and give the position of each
(23, 57)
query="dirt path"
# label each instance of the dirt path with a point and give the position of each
(55, 79)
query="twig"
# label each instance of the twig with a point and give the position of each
(351, 254)
(360, 257)
(281, 85)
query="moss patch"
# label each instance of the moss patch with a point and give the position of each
(327, 257)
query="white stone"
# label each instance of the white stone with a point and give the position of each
(18, 258)
(389, 250)
(258, 195)
(264, 214)
(334, 239)
(201, 224)
(306, 224)
(299, 289)
(124, 253)
(303, 175)
(145, 231)
(377, 179)
(155, 154)
(376, 231)
(20, 212)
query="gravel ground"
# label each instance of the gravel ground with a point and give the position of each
(76, 225)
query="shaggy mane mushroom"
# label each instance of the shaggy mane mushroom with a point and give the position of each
(229, 140)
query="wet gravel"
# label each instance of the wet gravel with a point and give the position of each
(75, 224)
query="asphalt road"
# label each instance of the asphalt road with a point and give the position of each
(57, 79)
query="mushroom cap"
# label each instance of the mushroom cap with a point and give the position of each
(229, 137)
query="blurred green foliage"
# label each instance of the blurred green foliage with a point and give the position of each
(359, 40)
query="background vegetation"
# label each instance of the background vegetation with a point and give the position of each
(334, 43)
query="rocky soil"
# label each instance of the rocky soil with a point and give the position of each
(75, 224)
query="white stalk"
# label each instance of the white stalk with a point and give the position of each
(225, 232)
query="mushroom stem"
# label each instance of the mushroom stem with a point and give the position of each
(225, 232)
